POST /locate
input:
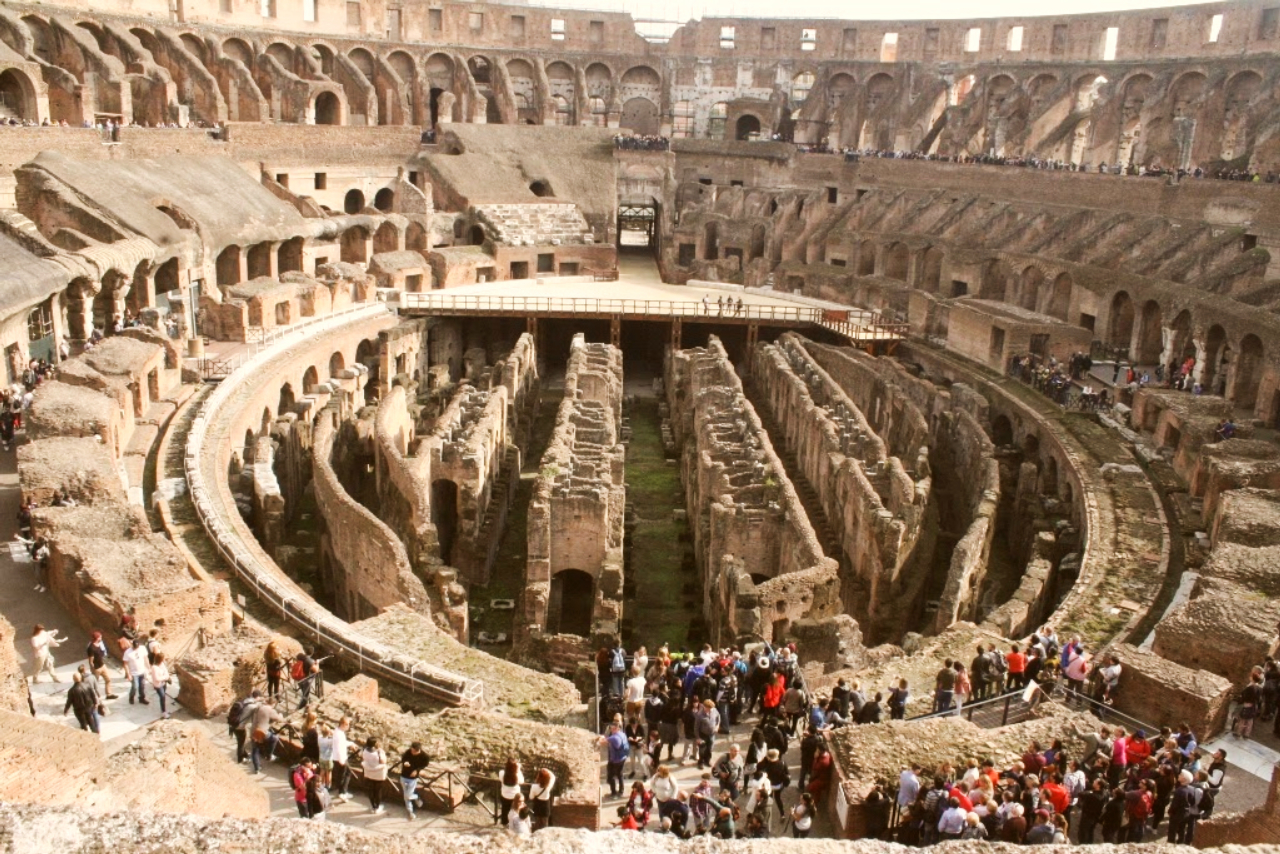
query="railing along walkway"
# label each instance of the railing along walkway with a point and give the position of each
(246, 557)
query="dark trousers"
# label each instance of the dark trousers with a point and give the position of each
(340, 778)
(614, 774)
(304, 809)
(88, 720)
(241, 753)
(504, 811)
(1085, 835)
(1181, 829)
(374, 788)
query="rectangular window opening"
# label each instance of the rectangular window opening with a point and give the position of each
(268, 8)
(225, 5)
(833, 194)
(1014, 43)
(557, 29)
(309, 11)
(435, 20)
(1059, 43)
(889, 48)
(1159, 33)
(517, 26)
(282, 178)
(413, 178)
(322, 181)
(705, 181)
(1249, 241)
(353, 13)
(768, 38)
(1110, 39)
(1270, 23)
(595, 32)
(973, 40)
(475, 20)
(1215, 28)
(727, 35)
(849, 41)
(839, 262)
(808, 39)
(735, 183)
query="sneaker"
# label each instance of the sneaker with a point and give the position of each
(380, 810)
(344, 797)
(413, 816)
(113, 696)
(165, 716)
(131, 701)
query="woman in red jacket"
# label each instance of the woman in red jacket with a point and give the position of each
(773, 692)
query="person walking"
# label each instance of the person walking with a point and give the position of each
(42, 643)
(264, 737)
(618, 750)
(373, 761)
(159, 676)
(82, 698)
(509, 789)
(540, 798)
(341, 758)
(96, 653)
(135, 665)
(412, 763)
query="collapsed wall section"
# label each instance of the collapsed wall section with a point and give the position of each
(761, 564)
(573, 579)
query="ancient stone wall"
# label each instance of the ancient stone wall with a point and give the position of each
(575, 516)
(1164, 693)
(876, 504)
(15, 695)
(1259, 826)
(750, 529)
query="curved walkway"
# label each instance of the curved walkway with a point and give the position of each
(206, 476)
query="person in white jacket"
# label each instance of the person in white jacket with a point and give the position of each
(42, 642)
(159, 676)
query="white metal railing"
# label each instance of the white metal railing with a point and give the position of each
(263, 575)
(856, 324)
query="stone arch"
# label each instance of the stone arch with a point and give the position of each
(238, 49)
(476, 236)
(641, 75)
(931, 275)
(1040, 87)
(227, 266)
(1058, 302)
(289, 256)
(337, 363)
(1248, 372)
(1002, 431)
(310, 379)
(840, 86)
(1181, 345)
(599, 80)
(327, 109)
(641, 116)
(353, 202)
(571, 604)
(1150, 335)
(18, 94)
(404, 66)
(867, 258)
(196, 46)
(1120, 321)
(444, 515)
(283, 54)
(560, 110)
(897, 261)
(385, 199)
(1186, 89)
(1030, 284)
(386, 238)
(362, 60)
(258, 260)
(355, 243)
(996, 276)
(746, 126)
(416, 238)
(481, 69)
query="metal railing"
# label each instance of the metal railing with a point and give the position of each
(856, 324)
(263, 576)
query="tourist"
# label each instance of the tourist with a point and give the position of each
(898, 698)
(636, 740)
(341, 757)
(707, 725)
(373, 761)
(42, 643)
(963, 687)
(509, 788)
(97, 655)
(729, 771)
(412, 763)
(318, 799)
(639, 803)
(299, 776)
(520, 823)
(82, 698)
(704, 804)
(238, 717)
(303, 672)
(324, 760)
(634, 693)
(617, 669)
(802, 816)
(274, 666)
(159, 676)
(541, 793)
(724, 826)
(618, 749)
(264, 736)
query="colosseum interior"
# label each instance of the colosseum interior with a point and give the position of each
(455, 342)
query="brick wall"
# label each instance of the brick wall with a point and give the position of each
(47, 763)
(1256, 827)
(1160, 692)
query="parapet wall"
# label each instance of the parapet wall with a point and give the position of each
(750, 529)
(575, 516)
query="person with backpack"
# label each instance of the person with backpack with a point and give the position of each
(898, 701)
(238, 717)
(617, 669)
(299, 775)
(264, 737)
(998, 670)
(302, 672)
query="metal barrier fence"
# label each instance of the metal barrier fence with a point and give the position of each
(297, 608)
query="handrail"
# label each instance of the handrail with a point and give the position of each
(303, 612)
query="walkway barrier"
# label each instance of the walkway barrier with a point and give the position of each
(256, 569)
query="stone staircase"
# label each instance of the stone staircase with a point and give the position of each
(501, 493)
(535, 224)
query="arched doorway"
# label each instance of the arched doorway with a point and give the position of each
(353, 202)
(310, 380)
(1002, 431)
(746, 127)
(896, 262)
(931, 279)
(328, 110)
(996, 274)
(286, 399)
(477, 235)
(444, 515)
(1213, 380)
(355, 245)
(867, 258)
(641, 116)
(1120, 326)
(385, 199)
(1248, 375)
(1059, 303)
(572, 600)
(17, 95)
(336, 363)
(228, 266)
(1181, 347)
(1029, 287)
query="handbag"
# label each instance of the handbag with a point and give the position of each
(259, 735)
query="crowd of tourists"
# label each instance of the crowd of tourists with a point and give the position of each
(627, 142)
(1053, 165)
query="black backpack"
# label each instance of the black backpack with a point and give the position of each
(234, 713)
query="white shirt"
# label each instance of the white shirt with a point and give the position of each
(326, 748)
(41, 642)
(341, 746)
(908, 788)
(510, 792)
(374, 763)
(135, 659)
(801, 816)
(159, 674)
(539, 793)
(635, 689)
(664, 788)
(519, 826)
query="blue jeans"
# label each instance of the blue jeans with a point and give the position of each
(88, 720)
(268, 746)
(138, 689)
(410, 785)
(162, 691)
(945, 700)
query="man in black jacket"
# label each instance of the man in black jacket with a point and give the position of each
(1184, 809)
(82, 698)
